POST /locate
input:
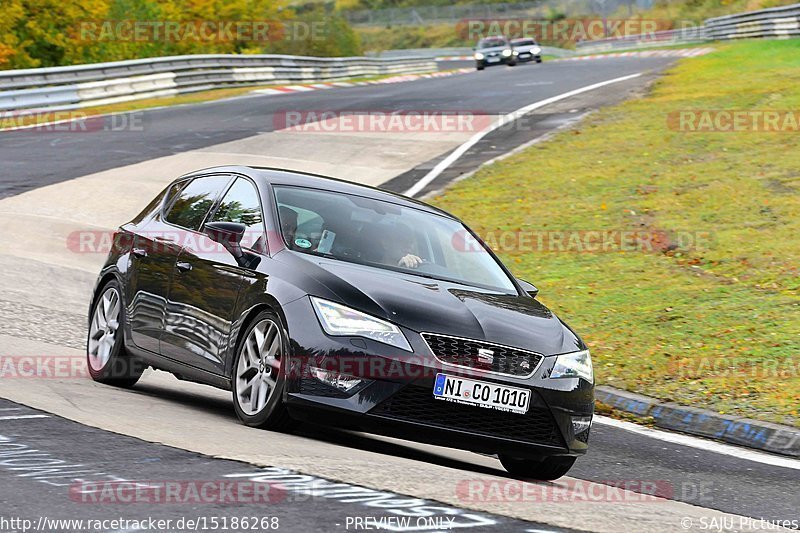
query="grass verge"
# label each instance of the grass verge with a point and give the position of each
(709, 313)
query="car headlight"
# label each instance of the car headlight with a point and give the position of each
(574, 365)
(507, 52)
(340, 320)
(478, 56)
(536, 50)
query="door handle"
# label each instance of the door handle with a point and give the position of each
(139, 252)
(184, 266)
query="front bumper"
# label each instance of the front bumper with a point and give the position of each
(396, 395)
(527, 57)
(501, 60)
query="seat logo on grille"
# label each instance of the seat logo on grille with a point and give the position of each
(485, 356)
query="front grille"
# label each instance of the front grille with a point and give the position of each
(466, 353)
(417, 404)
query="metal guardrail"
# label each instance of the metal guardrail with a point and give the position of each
(103, 83)
(776, 22)
(462, 52)
(690, 35)
(772, 23)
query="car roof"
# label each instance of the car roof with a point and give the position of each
(278, 176)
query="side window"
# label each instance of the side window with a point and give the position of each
(195, 200)
(242, 205)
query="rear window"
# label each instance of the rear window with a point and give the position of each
(195, 201)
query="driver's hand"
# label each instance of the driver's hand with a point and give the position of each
(410, 261)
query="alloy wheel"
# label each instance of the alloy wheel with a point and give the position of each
(103, 329)
(258, 368)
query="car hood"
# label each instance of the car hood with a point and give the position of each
(437, 306)
(491, 50)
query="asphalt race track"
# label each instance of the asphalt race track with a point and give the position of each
(54, 183)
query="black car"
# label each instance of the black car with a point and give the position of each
(494, 51)
(526, 49)
(325, 301)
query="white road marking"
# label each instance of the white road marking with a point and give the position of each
(11, 409)
(534, 83)
(703, 444)
(461, 150)
(21, 417)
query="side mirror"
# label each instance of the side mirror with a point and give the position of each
(229, 235)
(530, 288)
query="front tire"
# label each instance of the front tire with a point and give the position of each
(107, 360)
(259, 374)
(545, 469)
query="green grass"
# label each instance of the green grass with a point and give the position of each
(715, 326)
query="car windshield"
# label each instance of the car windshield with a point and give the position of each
(491, 43)
(524, 42)
(385, 235)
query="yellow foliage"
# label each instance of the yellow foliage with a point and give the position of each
(43, 33)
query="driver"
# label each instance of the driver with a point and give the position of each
(288, 220)
(405, 249)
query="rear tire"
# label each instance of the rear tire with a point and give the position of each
(546, 469)
(259, 374)
(106, 358)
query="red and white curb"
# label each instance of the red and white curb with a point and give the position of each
(300, 88)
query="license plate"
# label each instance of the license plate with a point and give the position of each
(524, 55)
(493, 60)
(481, 393)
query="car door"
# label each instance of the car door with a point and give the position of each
(205, 288)
(155, 249)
